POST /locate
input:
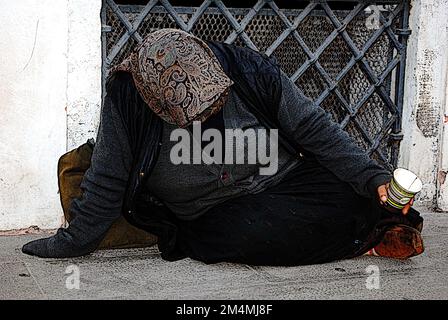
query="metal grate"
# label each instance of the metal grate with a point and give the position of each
(349, 61)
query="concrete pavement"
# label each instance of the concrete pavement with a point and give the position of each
(142, 274)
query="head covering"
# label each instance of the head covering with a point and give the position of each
(178, 76)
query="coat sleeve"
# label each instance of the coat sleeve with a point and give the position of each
(314, 130)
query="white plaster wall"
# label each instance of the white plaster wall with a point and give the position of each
(50, 93)
(442, 199)
(84, 71)
(33, 81)
(425, 93)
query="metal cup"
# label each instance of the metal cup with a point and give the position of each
(402, 188)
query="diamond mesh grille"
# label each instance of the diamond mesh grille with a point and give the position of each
(351, 69)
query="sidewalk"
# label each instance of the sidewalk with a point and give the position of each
(142, 274)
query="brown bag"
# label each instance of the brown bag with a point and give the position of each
(71, 168)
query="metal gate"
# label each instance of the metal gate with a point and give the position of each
(348, 56)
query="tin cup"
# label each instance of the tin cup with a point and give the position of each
(402, 188)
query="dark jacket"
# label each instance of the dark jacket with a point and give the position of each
(257, 81)
(258, 84)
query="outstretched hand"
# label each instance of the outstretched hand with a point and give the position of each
(382, 196)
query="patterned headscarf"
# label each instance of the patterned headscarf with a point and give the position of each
(178, 76)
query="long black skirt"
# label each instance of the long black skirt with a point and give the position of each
(310, 217)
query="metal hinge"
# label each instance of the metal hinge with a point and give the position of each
(403, 32)
(106, 28)
(396, 136)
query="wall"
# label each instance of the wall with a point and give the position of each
(50, 71)
(424, 128)
(84, 71)
(442, 194)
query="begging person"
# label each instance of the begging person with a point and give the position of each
(270, 179)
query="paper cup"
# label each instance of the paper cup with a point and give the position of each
(403, 186)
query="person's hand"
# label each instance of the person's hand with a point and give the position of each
(382, 196)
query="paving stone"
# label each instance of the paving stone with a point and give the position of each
(142, 274)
